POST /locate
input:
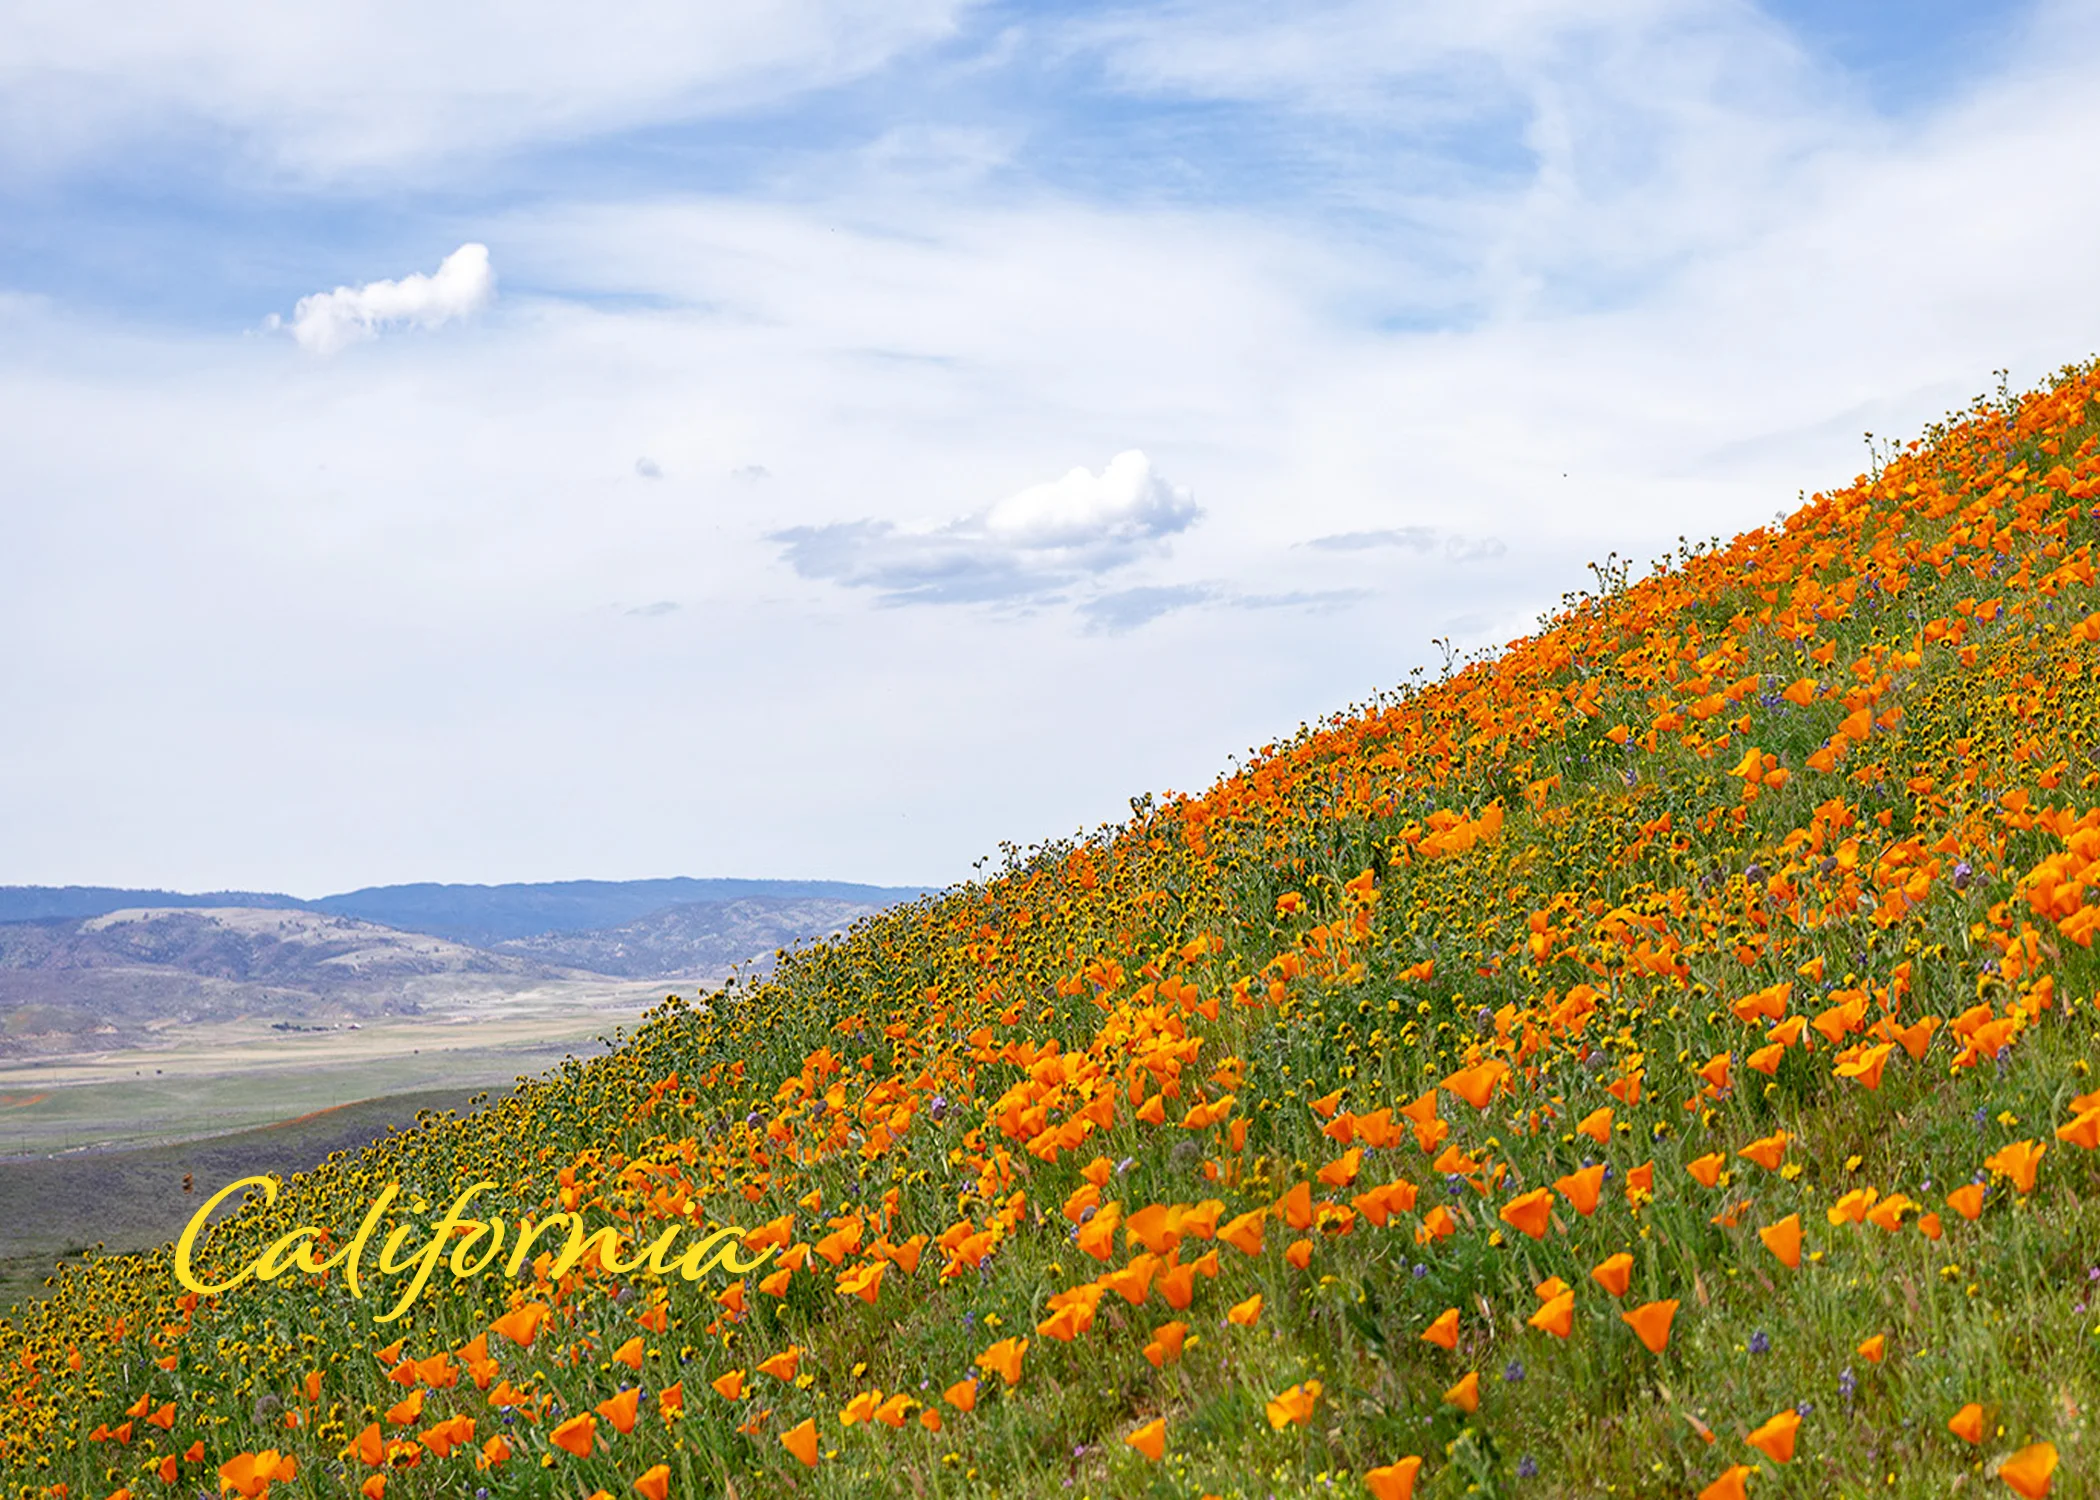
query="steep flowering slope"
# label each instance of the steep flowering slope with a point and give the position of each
(1654, 1060)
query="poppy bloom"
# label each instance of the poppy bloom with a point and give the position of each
(1730, 1486)
(1783, 1239)
(1244, 1232)
(1556, 1317)
(801, 1440)
(250, 1475)
(1967, 1424)
(1871, 1349)
(521, 1325)
(1476, 1085)
(1967, 1200)
(578, 1435)
(2028, 1471)
(1531, 1213)
(1004, 1359)
(1294, 1408)
(1581, 1189)
(1466, 1394)
(1165, 1347)
(1150, 1439)
(1767, 1151)
(730, 1386)
(1775, 1438)
(962, 1395)
(1245, 1313)
(2084, 1132)
(1867, 1066)
(620, 1410)
(655, 1483)
(1614, 1274)
(2019, 1161)
(1706, 1170)
(1650, 1323)
(1443, 1332)
(781, 1366)
(1394, 1481)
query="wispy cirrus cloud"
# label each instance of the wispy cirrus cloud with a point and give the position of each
(1420, 539)
(346, 87)
(1030, 546)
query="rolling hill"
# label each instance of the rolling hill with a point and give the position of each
(1655, 1059)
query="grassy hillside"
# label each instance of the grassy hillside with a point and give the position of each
(1655, 1060)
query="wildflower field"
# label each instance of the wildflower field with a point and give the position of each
(1654, 1059)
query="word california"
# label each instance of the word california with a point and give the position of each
(476, 1245)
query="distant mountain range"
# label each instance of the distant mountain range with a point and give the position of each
(94, 967)
(478, 914)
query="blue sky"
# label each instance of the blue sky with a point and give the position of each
(877, 430)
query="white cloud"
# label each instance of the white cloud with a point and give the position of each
(1126, 502)
(329, 87)
(328, 322)
(1028, 547)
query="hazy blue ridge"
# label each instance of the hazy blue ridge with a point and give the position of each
(477, 914)
(34, 903)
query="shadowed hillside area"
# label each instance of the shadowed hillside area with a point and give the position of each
(1654, 1059)
(54, 1207)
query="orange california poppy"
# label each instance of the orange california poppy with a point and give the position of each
(1783, 1239)
(1556, 1317)
(1531, 1213)
(2019, 1161)
(801, 1440)
(1650, 1323)
(577, 1435)
(2028, 1471)
(1581, 1189)
(1443, 1331)
(1766, 1151)
(1614, 1274)
(1730, 1485)
(1395, 1481)
(1775, 1438)
(1244, 1232)
(1004, 1359)
(1294, 1408)
(620, 1410)
(1967, 1424)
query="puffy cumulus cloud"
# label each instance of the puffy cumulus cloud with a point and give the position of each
(1126, 503)
(1029, 547)
(328, 322)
